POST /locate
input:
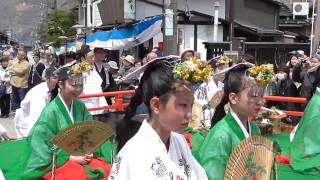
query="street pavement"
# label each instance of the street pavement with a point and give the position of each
(8, 123)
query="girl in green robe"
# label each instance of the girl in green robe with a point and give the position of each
(245, 99)
(62, 112)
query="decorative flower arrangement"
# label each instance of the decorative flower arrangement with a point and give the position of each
(80, 68)
(194, 70)
(263, 74)
(224, 60)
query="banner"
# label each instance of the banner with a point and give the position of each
(127, 37)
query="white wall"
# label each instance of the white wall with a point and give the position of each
(146, 10)
(204, 6)
(205, 34)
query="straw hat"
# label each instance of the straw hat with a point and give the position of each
(130, 59)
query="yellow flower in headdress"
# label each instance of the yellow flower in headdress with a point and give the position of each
(224, 60)
(195, 71)
(263, 74)
(80, 68)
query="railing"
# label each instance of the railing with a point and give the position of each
(118, 105)
(288, 99)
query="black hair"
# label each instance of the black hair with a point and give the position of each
(157, 81)
(85, 49)
(54, 92)
(233, 83)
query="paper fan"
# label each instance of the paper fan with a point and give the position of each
(251, 159)
(83, 138)
(216, 99)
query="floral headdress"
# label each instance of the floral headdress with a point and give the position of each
(73, 71)
(263, 74)
(194, 70)
(224, 60)
(80, 68)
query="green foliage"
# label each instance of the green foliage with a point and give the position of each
(58, 23)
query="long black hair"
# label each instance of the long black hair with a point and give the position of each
(233, 83)
(157, 81)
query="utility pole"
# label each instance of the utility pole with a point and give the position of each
(231, 22)
(170, 44)
(216, 21)
(315, 31)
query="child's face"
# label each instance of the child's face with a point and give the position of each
(176, 114)
(5, 63)
(70, 89)
(248, 101)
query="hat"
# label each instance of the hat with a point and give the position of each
(185, 51)
(174, 61)
(130, 59)
(113, 64)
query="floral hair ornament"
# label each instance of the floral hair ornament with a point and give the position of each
(73, 72)
(263, 74)
(195, 71)
(224, 60)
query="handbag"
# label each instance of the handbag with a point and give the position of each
(2, 89)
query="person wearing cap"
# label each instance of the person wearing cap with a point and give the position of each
(305, 71)
(19, 72)
(128, 67)
(5, 81)
(62, 112)
(35, 76)
(92, 83)
(34, 102)
(101, 67)
(187, 54)
(113, 68)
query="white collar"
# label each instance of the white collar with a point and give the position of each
(152, 136)
(318, 89)
(244, 130)
(70, 113)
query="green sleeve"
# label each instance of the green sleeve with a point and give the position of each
(214, 154)
(255, 130)
(107, 151)
(39, 162)
(83, 114)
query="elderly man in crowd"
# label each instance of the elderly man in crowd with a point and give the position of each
(19, 72)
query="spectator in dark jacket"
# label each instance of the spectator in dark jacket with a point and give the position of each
(305, 72)
(37, 69)
(286, 87)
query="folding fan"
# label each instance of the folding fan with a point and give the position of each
(216, 99)
(83, 138)
(251, 159)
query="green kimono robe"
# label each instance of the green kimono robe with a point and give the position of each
(219, 144)
(52, 120)
(305, 146)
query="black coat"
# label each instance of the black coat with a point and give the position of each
(289, 89)
(309, 81)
